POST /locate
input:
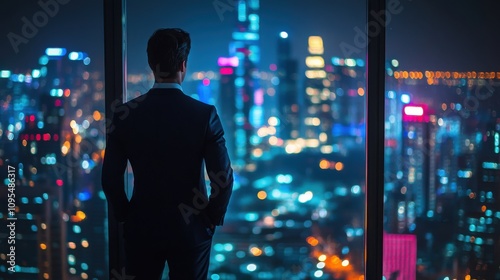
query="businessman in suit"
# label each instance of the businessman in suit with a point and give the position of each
(169, 139)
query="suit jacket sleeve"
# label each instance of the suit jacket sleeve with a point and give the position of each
(113, 170)
(219, 169)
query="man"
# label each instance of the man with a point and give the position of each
(168, 137)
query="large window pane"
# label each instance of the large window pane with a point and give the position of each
(288, 80)
(442, 152)
(52, 138)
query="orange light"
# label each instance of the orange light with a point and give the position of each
(312, 241)
(324, 164)
(256, 251)
(262, 195)
(339, 166)
(81, 215)
(483, 208)
(96, 115)
(43, 246)
(361, 91)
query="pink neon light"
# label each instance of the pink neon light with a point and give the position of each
(228, 61)
(258, 97)
(226, 71)
(414, 110)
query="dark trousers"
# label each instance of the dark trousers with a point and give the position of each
(147, 263)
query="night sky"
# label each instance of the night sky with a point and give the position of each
(422, 35)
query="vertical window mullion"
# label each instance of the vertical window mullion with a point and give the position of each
(375, 143)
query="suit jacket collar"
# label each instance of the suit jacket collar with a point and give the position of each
(167, 85)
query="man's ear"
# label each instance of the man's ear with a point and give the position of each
(183, 66)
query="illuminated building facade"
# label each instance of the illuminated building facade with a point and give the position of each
(318, 119)
(249, 95)
(287, 90)
(348, 90)
(226, 101)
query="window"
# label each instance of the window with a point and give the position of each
(52, 136)
(291, 100)
(441, 143)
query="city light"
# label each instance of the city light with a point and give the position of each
(414, 110)
(228, 61)
(55, 51)
(283, 34)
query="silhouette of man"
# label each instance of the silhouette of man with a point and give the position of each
(169, 138)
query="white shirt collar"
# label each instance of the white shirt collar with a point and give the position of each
(167, 85)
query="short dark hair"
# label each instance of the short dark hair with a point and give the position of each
(167, 49)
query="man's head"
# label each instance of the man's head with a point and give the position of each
(168, 51)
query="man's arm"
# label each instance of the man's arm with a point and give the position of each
(219, 170)
(113, 170)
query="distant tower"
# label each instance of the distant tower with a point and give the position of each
(287, 90)
(226, 101)
(318, 117)
(245, 47)
(419, 132)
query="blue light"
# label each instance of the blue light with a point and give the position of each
(283, 34)
(405, 98)
(43, 60)
(34, 228)
(228, 247)
(242, 11)
(239, 82)
(244, 36)
(86, 61)
(83, 196)
(219, 258)
(38, 200)
(55, 51)
(77, 229)
(4, 74)
(75, 56)
(40, 124)
(430, 214)
(24, 200)
(360, 62)
(251, 217)
(345, 250)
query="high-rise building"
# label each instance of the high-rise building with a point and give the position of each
(244, 46)
(318, 119)
(288, 107)
(348, 88)
(226, 101)
(479, 224)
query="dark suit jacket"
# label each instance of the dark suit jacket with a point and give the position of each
(168, 137)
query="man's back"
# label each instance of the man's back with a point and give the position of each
(166, 136)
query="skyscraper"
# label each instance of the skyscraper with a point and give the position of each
(245, 47)
(288, 99)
